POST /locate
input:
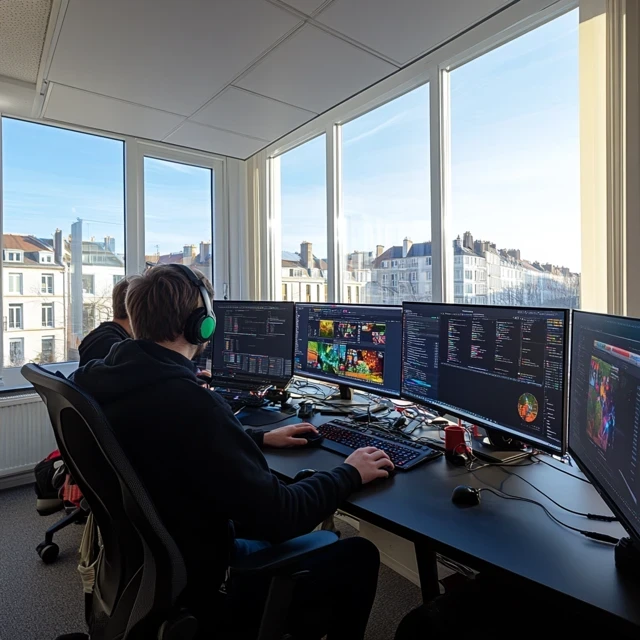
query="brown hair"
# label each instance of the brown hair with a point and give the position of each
(160, 301)
(118, 299)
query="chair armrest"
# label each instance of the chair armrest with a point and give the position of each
(283, 556)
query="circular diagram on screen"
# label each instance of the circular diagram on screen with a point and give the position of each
(528, 407)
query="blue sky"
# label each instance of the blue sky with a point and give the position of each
(515, 167)
(514, 158)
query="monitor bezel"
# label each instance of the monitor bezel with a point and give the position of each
(347, 382)
(227, 378)
(486, 424)
(598, 486)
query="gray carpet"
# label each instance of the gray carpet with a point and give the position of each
(39, 602)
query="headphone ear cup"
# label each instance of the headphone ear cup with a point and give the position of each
(193, 326)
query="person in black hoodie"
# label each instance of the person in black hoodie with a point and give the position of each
(204, 471)
(96, 345)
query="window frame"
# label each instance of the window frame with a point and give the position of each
(511, 22)
(134, 150)
(44, 313)
(15, 307)
(44, 289)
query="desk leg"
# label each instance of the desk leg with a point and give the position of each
(428, 572)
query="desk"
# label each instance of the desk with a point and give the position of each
(502, 535)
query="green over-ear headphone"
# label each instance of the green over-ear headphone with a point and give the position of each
(201, 324)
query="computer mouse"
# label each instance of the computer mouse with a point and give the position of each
(465, 496)
(390, 470)
(313, 439)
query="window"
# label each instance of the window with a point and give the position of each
(47, 315)
(48, 349)
(385, 186)
(349, 295)
(468, 275)
(46, 283)
(171, 187)
(15, 316)
(358, 295)
(414, 276)
(515, 166)
(318, 299)
(88, 284)
(468, 288)
(63, 197)
(303, 189)
(15, 283)
(16, 352)
(117, 278)
(308, 296)
(285, 297)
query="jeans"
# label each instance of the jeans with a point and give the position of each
(244, 547)
(335, 599)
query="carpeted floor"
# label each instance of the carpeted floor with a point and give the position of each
(39, 602)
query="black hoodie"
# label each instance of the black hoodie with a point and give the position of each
(96, 345)
(198, 464)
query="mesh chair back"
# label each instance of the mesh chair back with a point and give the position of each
(141, 572)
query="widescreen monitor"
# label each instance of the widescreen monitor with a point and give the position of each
(503, 368)
(604, 409)
(357, 346)
(253, 342)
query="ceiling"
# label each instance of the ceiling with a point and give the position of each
(226, 76)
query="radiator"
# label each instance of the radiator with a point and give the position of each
(26, 437)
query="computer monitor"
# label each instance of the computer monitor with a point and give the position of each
(604, 410)
(253, 342)
(502, 368)
(357, 346)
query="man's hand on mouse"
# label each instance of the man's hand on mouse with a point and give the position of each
(371, 463)
(290, 436)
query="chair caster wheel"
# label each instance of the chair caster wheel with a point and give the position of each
(48, 552)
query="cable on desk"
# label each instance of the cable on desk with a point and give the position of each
(594, 535)
(267, 424)
(553, 466)
(590, 516)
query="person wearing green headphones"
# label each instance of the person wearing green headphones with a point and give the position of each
(203, 471)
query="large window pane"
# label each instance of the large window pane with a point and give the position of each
(178, 214)
(386, 202)
(304, 222)
(63, 228)
(515, 171)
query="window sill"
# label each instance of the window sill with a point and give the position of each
(12, 378)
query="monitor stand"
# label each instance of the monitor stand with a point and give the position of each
(344, 398)
(496, 448)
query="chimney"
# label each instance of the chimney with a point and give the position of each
(110, 244)
(514, 253)
(406, 247)
(457, 242)
(467, 242)
(57, 246)
(379, 250)
(188, 254)
(306, 255)
(205, 251)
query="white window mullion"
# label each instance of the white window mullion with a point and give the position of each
(334, 213)
(441, 246)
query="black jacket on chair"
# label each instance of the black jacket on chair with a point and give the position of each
(199, 466)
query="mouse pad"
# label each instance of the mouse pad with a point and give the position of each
(264, 417)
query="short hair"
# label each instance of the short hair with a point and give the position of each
(118, 298)
(160, 301)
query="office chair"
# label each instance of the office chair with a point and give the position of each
(141, 573)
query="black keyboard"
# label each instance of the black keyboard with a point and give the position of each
(343, 437)
(238, 399)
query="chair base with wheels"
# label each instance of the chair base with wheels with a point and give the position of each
(48, 550)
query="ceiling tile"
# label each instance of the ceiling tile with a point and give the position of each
(67, 104)
(404, 29)
(306, 6)
(23, 25)
(199, 136)
(252, 115)
(314, 70)
(160, 53)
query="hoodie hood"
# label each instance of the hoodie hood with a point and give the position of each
(130, 366)
(106, 331)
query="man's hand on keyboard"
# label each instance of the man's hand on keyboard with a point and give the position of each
(371, 463)
(290, 436)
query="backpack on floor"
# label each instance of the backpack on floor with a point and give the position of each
(50, 477)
